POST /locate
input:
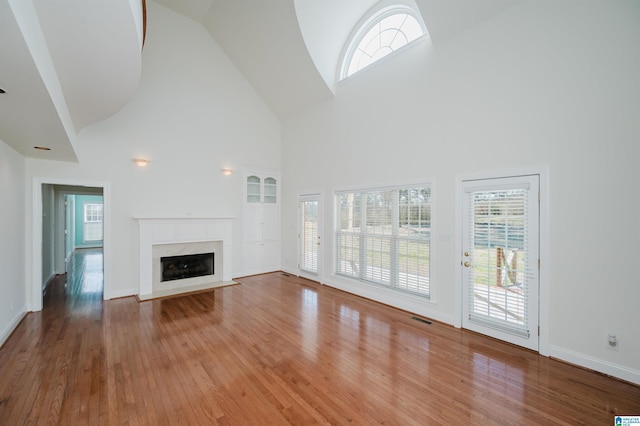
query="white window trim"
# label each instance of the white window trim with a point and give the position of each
(380, 11)
(544, 272)
(398, 186)
(313, 196)
(89, 212)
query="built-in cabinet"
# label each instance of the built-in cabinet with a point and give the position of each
(261, 222)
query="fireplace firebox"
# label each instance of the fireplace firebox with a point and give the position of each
(187, 266)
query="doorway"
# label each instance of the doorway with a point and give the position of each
(52, 238)
(83, 241)
(309, 232)
(500, 258)
(72, 238)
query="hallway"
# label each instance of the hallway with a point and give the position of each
(81, 288)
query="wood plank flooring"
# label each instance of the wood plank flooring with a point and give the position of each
(279, 350)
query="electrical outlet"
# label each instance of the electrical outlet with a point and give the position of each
(613, 343)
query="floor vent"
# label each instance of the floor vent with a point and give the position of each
(422, 320)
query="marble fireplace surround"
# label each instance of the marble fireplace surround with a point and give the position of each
(159, 237)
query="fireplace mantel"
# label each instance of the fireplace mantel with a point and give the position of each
(184, 230)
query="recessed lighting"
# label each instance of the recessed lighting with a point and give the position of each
(42, 148)
(141, 162)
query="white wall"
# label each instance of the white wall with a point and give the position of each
(193, 114)
(551, 84)
(13, 304)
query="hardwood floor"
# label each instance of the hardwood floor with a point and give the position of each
(278, 350)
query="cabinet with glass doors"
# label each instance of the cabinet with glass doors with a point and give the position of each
(261, 222)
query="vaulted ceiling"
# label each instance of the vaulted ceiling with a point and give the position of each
(66, 64)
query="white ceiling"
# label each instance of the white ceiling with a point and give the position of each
(96, 57)
(28, 115)
(263, 39)
(289, 49)
(66, 64)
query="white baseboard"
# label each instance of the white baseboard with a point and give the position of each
(406, 302)
(48, 281)
(596, 364)
(15, 321)
(290, 271)
(121, 293)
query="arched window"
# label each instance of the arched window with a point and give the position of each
(382, 31)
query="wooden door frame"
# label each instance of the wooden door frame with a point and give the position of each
(544, 297)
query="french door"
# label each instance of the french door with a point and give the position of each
(500, 258)
(309, 236)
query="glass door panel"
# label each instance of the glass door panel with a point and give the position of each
(270, 191)
(253, 189)
(309, 235)
(500, 258)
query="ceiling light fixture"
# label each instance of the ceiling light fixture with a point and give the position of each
(141, 162)
(42, 148)
(227, 172)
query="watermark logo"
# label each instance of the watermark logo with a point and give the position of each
(627, 420)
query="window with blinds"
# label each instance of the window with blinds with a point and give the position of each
(92, 212)
(502, 263)
(310, 236)
(93, 222)
(383, 237)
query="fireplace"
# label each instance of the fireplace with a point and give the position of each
(183, 254)
(186, 266)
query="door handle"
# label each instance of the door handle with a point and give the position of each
(468, 265)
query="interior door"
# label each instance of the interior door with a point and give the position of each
(500, 258)
(69, 202)
(309, 236)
